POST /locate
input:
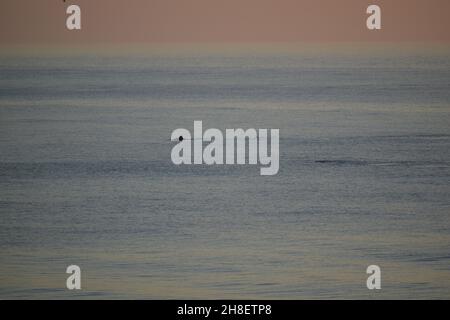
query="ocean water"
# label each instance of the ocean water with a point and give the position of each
(86, 176)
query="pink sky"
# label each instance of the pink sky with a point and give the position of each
(154, 21)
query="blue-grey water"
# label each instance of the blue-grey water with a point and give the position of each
(86, 176)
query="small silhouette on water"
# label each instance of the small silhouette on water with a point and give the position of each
(180, 138)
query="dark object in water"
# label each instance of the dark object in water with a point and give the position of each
(180, 138)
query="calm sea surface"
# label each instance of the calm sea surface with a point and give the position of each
(86, 176)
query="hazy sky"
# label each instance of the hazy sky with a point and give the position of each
(150, 21)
